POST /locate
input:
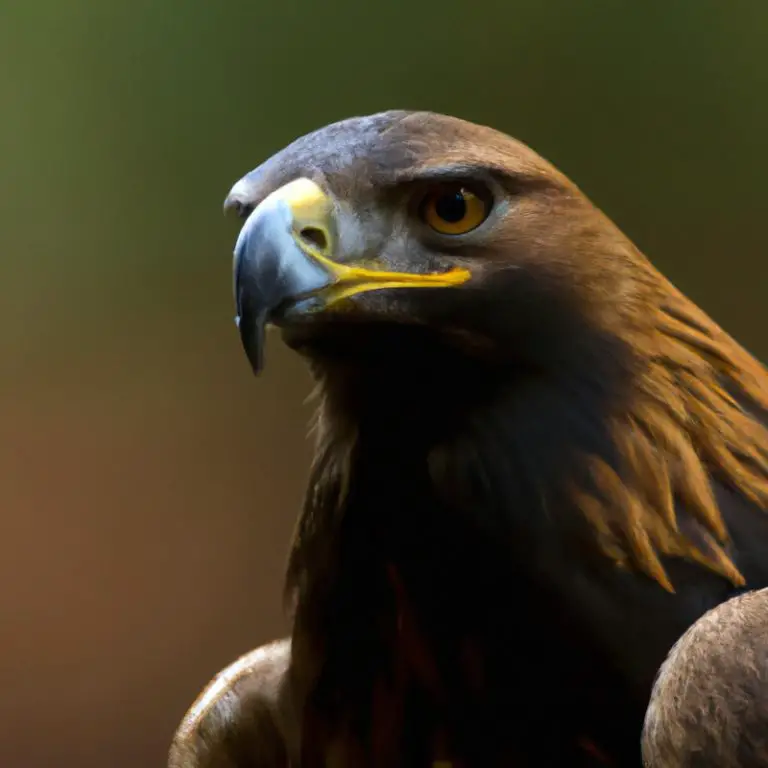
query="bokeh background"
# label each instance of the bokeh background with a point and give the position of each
(148, 484)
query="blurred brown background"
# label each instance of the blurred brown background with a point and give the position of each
(149, 483)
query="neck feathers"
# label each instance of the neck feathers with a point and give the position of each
(636, 469)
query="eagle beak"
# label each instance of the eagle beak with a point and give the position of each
(286, 262)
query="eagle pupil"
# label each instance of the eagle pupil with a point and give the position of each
(451, 208)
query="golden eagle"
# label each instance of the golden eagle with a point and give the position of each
(537, 461)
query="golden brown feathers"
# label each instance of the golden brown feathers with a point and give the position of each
(683, 427)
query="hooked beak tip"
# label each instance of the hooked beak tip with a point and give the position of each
(239, 200)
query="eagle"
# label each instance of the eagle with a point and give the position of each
(537, 462)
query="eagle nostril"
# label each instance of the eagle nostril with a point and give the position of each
(315, 237)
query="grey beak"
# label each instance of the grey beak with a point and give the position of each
(271, 270)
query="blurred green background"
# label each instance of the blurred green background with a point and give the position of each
(149, 483)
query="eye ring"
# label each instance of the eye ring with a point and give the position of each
(454, 209)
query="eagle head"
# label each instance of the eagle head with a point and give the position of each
(451, 260)
(430, 222)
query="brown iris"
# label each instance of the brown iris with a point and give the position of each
(454, 210)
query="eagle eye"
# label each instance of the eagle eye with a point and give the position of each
(453, 209)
